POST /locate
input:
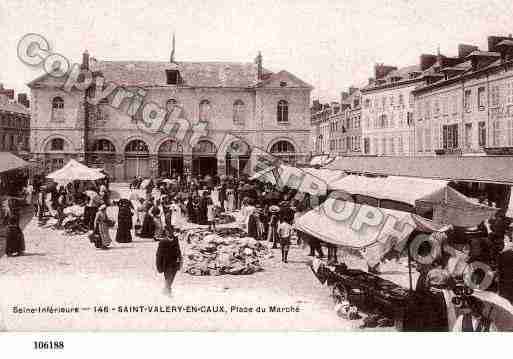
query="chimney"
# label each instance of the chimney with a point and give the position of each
(464, 50)
(258, 62)
(9, 93)
(316, 106)
(85, 61)
(381, 70)
(23, 99)
(427, 60)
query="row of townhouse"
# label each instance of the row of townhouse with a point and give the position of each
(466, 105)
(387, 110)
(443, 105)
(337, 126)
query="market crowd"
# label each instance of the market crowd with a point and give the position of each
(160, 207)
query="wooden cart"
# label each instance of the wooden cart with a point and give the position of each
(365, 290)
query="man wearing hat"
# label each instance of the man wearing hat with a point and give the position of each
(169, 258)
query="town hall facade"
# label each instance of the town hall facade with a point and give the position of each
(242, 106)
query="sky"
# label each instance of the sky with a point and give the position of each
(329, 44)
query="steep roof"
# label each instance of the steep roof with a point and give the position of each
(193, 74)
(284, 78)
(402, 74)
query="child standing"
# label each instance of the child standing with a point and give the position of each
(284, 232)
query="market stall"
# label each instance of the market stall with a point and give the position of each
(364, 229)
(431, 198)
(75, 171)
(347, 228)
(307, 180)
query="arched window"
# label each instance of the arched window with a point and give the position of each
(285, 150)
(283, 147)
(204, 110)
(170, 147)
(238, 112)
(103, 145)
(137, 146)
(204, 147)
(170, 105)
(57, 144)
(57, 103)
(283, 111)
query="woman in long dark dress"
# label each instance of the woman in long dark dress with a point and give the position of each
(124, 231)
(15, 241)
(148, 225)
(272, 233)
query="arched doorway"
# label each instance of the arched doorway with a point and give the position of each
(170, 159)
(103, 155)
(137, 159)
(284, 150)
(237, 158)
(56, 152)
(204, 160)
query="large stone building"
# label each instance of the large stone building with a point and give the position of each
(14, 125)
(466, 106)
(242, 105)
(387, 109)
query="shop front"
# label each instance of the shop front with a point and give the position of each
(204, 159)
(103, 155)
(238, 157)
(137, 160)
(170, 159)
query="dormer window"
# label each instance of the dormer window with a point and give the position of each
(173, 77)
(283, 83)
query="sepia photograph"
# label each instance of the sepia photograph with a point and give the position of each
(320, 166)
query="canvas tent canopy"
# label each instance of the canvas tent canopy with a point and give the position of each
(451, 207)
(9, 162)
(307, 180)
(374, 231)
(400, 189)
(332, 223)
(75, 171)
(448, 205)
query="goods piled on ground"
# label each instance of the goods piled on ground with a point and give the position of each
(225, 252)
(224, 218)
